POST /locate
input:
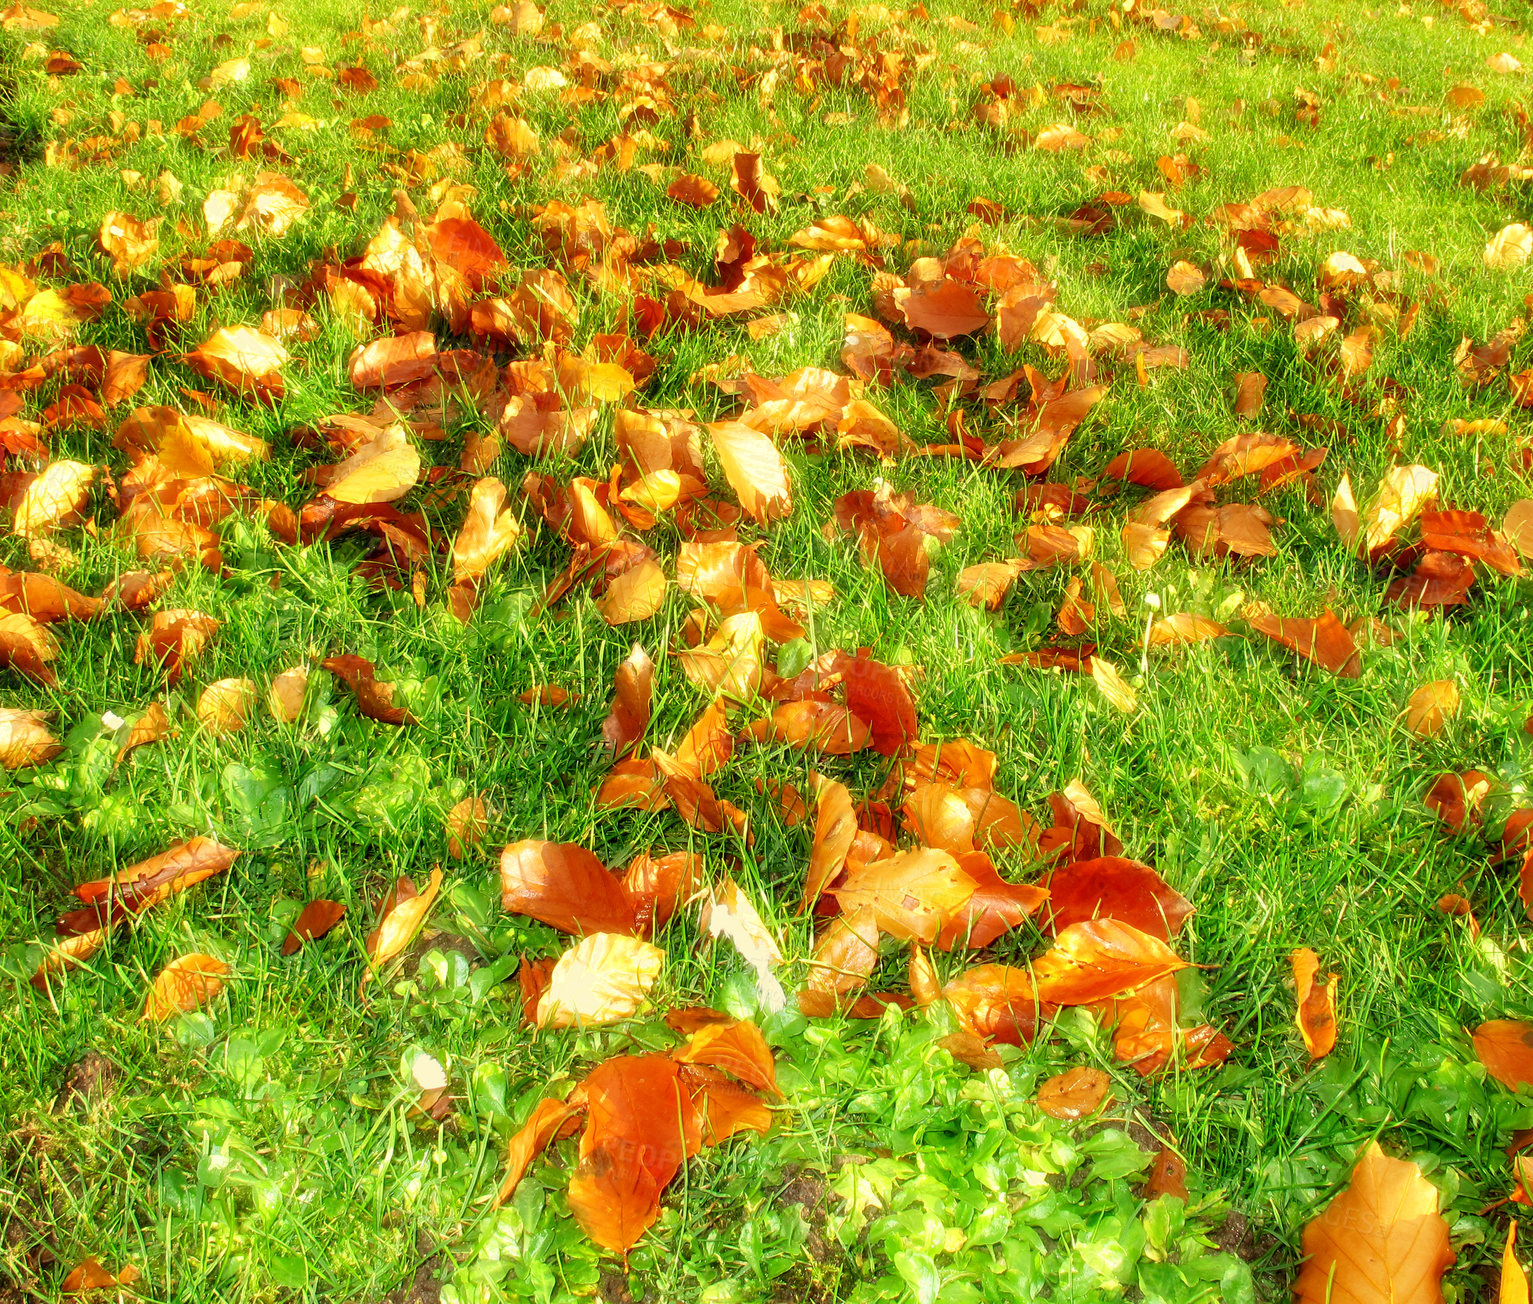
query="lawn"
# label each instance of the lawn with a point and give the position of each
(394, 376)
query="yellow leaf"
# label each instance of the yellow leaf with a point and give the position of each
(601, 979)
(1430, 708)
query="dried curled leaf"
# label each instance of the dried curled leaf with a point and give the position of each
(1316, 1004)
(403, 912)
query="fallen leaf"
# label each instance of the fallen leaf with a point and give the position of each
(224, 707)
(1381, 1239)
(25, 739)
(315, 920)
(1431, 707)
(1098, 959)
(624, 727)
(402, 913)
(1110, 887)
(1075, 1093)
(1505, 1047)
(754, 468)
(603, 978)
(184, 984)
(565, 886)
(1316, 1004)
(374, 699)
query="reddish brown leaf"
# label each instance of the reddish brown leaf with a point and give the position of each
(1111, 887)
(565, 886)
(315, 920)
(374, 699)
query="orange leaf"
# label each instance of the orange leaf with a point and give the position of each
(1111, 887)
(185, 983)
(25, 739)
(374, 699)
(1505, 1047)
(1316, 1013)
(1324, 640)
(403, 912)
(1380, 1241)
(547, 1118)
(737, 1047)
(912, 894)
(1101, 958)
(1074, 1093)
(754, 469)
(835, 829)
(626, 722)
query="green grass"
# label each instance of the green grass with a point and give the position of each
(262, 1149)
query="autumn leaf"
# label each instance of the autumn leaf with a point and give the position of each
(315, 920)
(997, 1002)
(565, 886)
(184, 984)
(25, 739)
(1075, 1093)
(1323, 640)
(402, 913)
(835, 829)
(1098, 959)
(89, 1275)
(754, 468)
(224, 707)
(1110, 887)
(374, 699)
(149, 882)
(243, 358)
(603, 978)
(1505, 1047)
(1316, 1004)
(1431, 707)
(1514, 1279)
(624, 727)
(912, 895)
(1380, 1241)
(489, 530)
(547, 1119)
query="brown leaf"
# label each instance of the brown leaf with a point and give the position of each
(1075, 1093)
(1316, 1004)
(624, 727)
(374, 699)
(88, 1274)
(821, 727)
(1431, 707)
(25, 739)
(185, 983)
(140, 886)
(1184, 278)
(995, 1002)
(402, 914)
(243, 358)
(835, 830)
(1111, 887)
(911, 895)
(1323, 640)
(1168, 1176)
(315, 920)
(1380, 1241)
(1183, 627)
(943, 309)
(565, 886)
(489, 530)
(546, 1121)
